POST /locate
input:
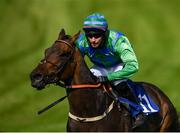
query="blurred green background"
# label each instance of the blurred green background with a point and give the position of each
(27, 27)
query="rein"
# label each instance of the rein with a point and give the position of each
(82, 86)
(79, 86)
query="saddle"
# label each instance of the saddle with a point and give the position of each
(134, 98)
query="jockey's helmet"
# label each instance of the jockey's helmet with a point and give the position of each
(95, 21)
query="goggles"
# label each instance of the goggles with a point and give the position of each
(95, 35)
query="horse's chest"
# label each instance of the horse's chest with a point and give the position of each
(115, 121)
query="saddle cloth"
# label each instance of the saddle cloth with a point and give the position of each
(146, 104)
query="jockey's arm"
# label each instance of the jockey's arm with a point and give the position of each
(124, 50)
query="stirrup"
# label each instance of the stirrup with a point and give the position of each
(119, 106)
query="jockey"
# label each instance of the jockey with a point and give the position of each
(112, 54)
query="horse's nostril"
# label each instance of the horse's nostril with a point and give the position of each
(37, 76)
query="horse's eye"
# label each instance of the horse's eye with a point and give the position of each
(42, 61)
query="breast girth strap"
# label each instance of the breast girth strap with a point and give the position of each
(92, 119)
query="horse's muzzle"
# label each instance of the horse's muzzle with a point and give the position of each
(37, 81)
(38, 86)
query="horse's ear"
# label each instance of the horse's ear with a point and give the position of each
(61, 34)
(73, 38)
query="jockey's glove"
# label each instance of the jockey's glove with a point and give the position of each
(102, 79)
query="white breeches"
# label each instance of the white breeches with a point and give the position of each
(100, 71)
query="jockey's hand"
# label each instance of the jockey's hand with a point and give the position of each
(102, 79)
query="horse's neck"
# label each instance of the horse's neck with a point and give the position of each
(82, 74)
(86, 102)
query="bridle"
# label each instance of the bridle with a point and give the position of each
(60, 68)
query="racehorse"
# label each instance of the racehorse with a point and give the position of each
(91, 107)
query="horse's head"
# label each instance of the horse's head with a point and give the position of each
(57, 62)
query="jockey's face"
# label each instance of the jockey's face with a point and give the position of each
(95, 37)
(95, 41)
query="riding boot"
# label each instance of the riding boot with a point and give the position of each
(125, 91)
(116, 95)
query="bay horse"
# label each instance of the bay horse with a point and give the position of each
(90, 106)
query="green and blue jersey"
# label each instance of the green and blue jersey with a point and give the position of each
(115, 50)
